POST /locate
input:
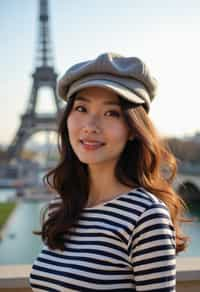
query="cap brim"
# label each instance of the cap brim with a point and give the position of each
(117, 88)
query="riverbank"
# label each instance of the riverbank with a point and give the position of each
(19, 244)
(18, 234)
(6, 210)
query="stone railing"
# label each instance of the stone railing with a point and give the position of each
(15, 278)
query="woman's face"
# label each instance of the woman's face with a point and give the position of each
(97, 129)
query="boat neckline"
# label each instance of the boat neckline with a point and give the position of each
(111, 200)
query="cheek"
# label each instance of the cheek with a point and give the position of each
(119, 133)
(72, 128)
(72, 124)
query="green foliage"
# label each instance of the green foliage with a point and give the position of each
(5, 211)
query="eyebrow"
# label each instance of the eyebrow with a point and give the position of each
(109, 102)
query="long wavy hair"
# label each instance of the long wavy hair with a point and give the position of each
(146, 162)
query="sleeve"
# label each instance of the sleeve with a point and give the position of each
(152, 251)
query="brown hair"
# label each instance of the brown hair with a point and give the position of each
(146, 162)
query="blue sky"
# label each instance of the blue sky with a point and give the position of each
(165, 34)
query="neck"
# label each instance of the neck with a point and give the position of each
(104, 185)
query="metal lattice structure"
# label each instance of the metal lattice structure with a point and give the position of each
(43, 76)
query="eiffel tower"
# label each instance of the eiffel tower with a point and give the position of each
(43, 76)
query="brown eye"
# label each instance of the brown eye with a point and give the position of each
(114, 113)
(79, 108)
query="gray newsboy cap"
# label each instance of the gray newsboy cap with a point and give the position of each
(129, 77)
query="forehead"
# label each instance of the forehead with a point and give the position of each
(97, 94)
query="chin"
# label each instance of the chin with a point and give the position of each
(97, 160)
(91, 161)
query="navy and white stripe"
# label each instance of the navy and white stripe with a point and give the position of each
(126, 244)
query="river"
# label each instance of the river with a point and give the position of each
(20, 245)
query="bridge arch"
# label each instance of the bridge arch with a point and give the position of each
(189, 191)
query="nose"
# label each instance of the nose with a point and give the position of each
(92, 125)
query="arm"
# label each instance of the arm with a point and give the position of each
(153, 251)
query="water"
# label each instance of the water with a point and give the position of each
(20, 246)
(7, 194)
(193, 231)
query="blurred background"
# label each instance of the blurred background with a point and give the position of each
(40, 39)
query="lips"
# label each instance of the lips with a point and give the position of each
(91, 144)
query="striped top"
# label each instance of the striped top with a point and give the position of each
(125, 244)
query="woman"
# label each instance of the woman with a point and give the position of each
(115, 222)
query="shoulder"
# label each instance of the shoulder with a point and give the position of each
(145, 194)
(153, 208)
(154, 221)
(149, 199)
(156, 211)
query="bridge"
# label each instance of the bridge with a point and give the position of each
(188, 186)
